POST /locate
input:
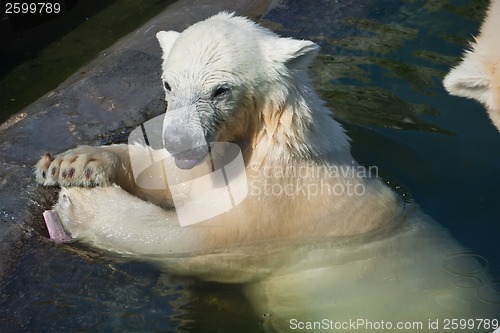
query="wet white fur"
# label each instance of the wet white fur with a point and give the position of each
(478, 74)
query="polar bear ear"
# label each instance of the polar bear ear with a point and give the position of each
(167, 39)
(468, 80)
(295, 54)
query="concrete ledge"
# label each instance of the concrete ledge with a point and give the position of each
(117, 91)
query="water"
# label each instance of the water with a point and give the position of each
(38, 52)
(380, 69)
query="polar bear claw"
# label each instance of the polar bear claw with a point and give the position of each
(84, 166)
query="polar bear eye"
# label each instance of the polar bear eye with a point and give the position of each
(221, 91)
(167, 86)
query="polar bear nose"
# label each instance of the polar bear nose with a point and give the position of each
(177, 140)
(186, 149)
(184, 136)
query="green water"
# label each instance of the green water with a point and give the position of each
(36, 59)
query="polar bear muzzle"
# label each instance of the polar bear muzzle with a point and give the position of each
(184, 136)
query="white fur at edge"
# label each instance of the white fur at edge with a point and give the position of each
(340, 257)
(478, 74)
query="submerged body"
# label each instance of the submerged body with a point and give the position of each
(317, 243)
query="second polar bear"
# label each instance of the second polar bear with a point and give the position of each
(315, 237)
(478, 74)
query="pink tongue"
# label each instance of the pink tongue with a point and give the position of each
(56, 230)
(185, 164)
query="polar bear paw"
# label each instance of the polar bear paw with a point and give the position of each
(83, 166)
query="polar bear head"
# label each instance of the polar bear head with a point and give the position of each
(229, 79)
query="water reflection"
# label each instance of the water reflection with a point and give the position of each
(371, 105)
(374, 36)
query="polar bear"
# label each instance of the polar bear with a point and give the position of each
(478, 75)
(318, 241)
